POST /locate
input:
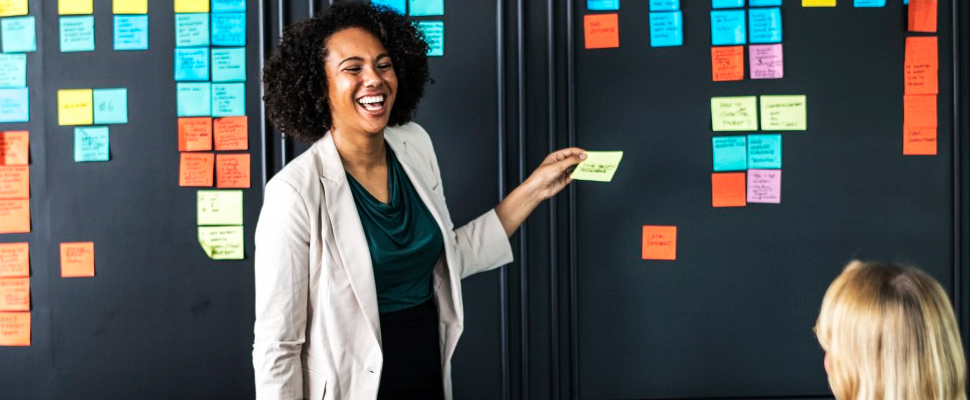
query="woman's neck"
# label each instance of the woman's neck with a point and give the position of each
(359, 151)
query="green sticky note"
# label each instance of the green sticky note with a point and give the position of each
(434, 35)
(222, 242)
(13, 70)
(783, 113)
(111, 106)
(91, 144)
(229, 64)
(730, 153)
(18, 34)
(598, 166)
(220, 207)
(734, 113)
(77, 33)
(191, 30)
(194, 99)
(426, 7)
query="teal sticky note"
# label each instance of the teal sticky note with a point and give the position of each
(664, 5)
(764, 151)
(91, 144)
(228, 99)
(229, 64)
(191, 64)
(730, 153)
(111, 106)
(13, 70)
(727, 27)
(18, 34)
(764, 25)
(727, 3)
(396, 5)
(228, 29)
(434, 34)
(194, 99)
(427, 7)
(228, 5)
(131, 32)
(666, 29)
(602, 5)
(870, 3)
(77, 33)
(14, 105)
(764, 3)
(191, 30)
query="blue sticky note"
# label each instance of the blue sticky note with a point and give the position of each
(77, 33)
(434, 34)
(229, 64)
(764, 25)
(191, 30)
(764, 151)
(727, 27)
(601, 5)
(228, 5)
(396, 5)
(14, 105)
(730, 153)
(870, 3)
(727, 3)
(428, 7)
(228, 29)
(13, 70)
(194, 99)
(131, 32)
(764, 3)
(666, 29)
(191, 64)
(228, 99)
(905, 1)
(91, 143)
(664, 5)
(111, 106)
(18, 34)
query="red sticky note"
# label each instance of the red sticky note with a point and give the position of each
(231, 133)
(15, 294)
(727, 63)
(14, 329)
(659, 242)
(14, 182)
(77, 259)
(602, 31)
(14, 147)
(196, 169)
(195, 134)
(728, 190)
(919, 111)
(921, 68)
(922, 15)
(14, 260)
(919, 141)
(232, 170)
(15, 216)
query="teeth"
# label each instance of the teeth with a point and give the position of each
(371, 99)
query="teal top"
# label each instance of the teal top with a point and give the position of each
(404, 239)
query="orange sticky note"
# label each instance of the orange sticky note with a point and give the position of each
(921, 69)
(15, 216)
(14, 260)
(195, 134)
(77, 259)
(919, 111)
(232, 170)
(14, 147)
(727, 63)
(922, 15)
(14, 329)
(231, 133)
(919, 141)
(602, 31)
(196, 169)
(659, 242)
(728, 190)
(15, 294)
(15, 182)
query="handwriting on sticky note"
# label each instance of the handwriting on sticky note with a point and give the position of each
(764, 151)
(92, 144)
(111, 106)
(598, 166)
(219, 207)
(14, 329)
(195, 134)
(10, 8)
(196, 169)
(75, 107)
(764, 25)
(734, 113)
(232, 171)
(659, 243)
(13, 70)
(14, 105)
(764, 186)
(14, 147)
(77, 259)
(728, 190)
(919, 111)
(14, 260)
(921, 69)
(919, 141)
(602, 31)
(15, 294)
(228, 99)
(231, 133)
(767, 61)
(922, 15)
(222, 242)
(730, 153)
(15, 216)
(727, 63)
(728, 27)
(666, 29)
(14, 182)
(784, 113)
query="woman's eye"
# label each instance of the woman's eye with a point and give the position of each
(352, 69)
(385, 66)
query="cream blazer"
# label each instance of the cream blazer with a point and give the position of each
(317, 330)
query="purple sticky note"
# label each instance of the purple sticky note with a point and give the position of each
(764, 186)
(766, 61)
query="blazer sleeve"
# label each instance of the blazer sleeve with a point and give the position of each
(282, 285)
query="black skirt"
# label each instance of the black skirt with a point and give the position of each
(412, 357)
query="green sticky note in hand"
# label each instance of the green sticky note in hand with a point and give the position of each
(222, 242)
(220, 207)
(598, 166)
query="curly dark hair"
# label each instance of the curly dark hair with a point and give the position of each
(295, 81)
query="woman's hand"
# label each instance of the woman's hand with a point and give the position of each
(551, 177)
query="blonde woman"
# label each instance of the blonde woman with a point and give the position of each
(889, 333)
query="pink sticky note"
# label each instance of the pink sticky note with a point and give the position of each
(764, 186)
(767, 61)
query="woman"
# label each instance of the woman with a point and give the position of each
(358, 265)
(889, 333)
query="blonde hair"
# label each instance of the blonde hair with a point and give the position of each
(890, 334)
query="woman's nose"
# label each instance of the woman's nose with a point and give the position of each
(372, 78)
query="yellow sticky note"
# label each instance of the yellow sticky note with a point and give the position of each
(222, 242)
(130, 7)
(783, 113)
(191, 6)
(220, 207)
(10, 8)
(75, 7)
(598, 166)
(818, 3)
(75, 107)
(734, 113)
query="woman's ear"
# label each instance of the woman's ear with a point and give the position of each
(825, 363)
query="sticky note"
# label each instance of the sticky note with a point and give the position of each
(764, 186)
(228, 99)
(434, 35)
(15, 216)
(664, 5)
(18, 34)
(764, 151)
(659, 243)
(870, 3)
(75, 107)
(194, 99)
(767, 61)
(75, 7)
(397, 6)
(921, 69)
(919, 141)
(229, 64)
(818, 3)
(14, 147)
(730, 153)
(15, 294)
(131, 32)
(77, 259)
(601, 31)
(228, 5)
(666, 29)
(598, 166)
(10, 8)
(14, 329)
(727, 63)
(91, 144)
(427, 7)
(191, 30)
(919, 111)
(602, 5)
(922, 15)
(727, 3)
(764, 25)
(784, 113)
(219, 207)
(764, 3)
(196, 169)
(727, 27)
(222, 242)
(232, 171)
(14, 105)
(228, 29)
(734, 113)
(14, 260)
(129, 7)
(231, 133)
(191, 64)
(77, 34)
(14, 182)
(195, 134)
(111, 106)
(13, 70)
(191, 6)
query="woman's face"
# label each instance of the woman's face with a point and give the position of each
(361, 81)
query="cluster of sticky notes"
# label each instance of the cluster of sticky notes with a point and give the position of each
(666, 23)
(92, 106)
(77, 259)
(14, 182)
(921, 71)
(17, 36)
(659, 242)
(778, 113)
(599, 166)
(432, 31)
(731, 189)
(14, 294)
(202, 134)
(220, 220)
(730, 31)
